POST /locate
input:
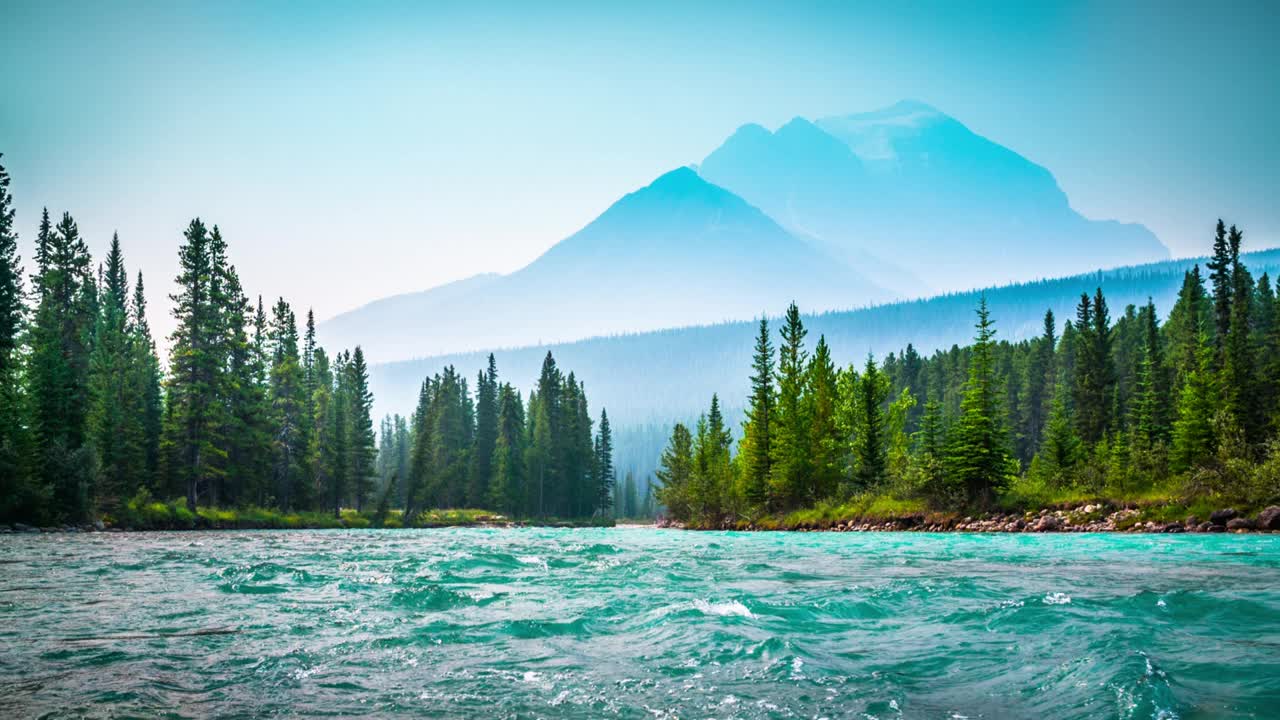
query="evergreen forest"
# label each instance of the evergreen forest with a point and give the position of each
(250, 422)
(1108, 405)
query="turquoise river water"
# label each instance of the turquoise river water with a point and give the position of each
(639, 623)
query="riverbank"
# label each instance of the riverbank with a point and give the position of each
(1089, 517)
(158, 516)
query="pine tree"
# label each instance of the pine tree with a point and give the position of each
(1194, 435)
(758, 429)
(870, 450)
(1039, 390)
(976, 457)
(450, 430)
(308, 353)
(421, 475)
(1221, 268)
(16, 495)
(1190, 318)
(361, 445)
(827, 448)
(1238, 360)
(486, 436)
(288, 404)
(507, 488)
(790, 462)
(196, 368)
(1266, 339)
(327, 458)
(332, 405)
(59, 371)
(117, 413)
(676, 472)
(604, 472)
(146, 365)
(545, 444)
(1149, 405)
(1094, 370)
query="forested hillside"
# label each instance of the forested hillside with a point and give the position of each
(649, 380)
(1097, 407)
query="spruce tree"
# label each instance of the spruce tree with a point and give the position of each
(605, 475)
(869, 447)
(326, 450)
(361, 445)
(1190, 318)
(117, 413)
(789, 446)
(146, 365)
(16, 497)
(826, 446)
(1060, 449)
(1093, 401)
(758, 430)
(58, 371)
(288, 404)
(421, 475)
(545, 456)
(196, 361)
(1221, 269)
(486, 436)
(976, 457)
(1194, 435)
(507, 488)
(676, 472)
(1039, 389)
(1239, 362)
(1266, 339)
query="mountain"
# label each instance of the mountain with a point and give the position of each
(678, 251)
(912, 187)
(649, 380)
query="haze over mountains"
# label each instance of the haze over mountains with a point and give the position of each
(676, 252)
(840, 213)
(915, 189)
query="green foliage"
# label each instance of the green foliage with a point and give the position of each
(1130, 413)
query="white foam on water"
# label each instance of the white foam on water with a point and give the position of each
(733, 608)
(1057, 598)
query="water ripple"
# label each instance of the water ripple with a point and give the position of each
(639, 623)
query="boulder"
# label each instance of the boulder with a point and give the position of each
(1269, 519)
(1217, 528)
(1239, 524)
(99, 526)
(1174, 528)
(1220, 517)
(1048, 523)
(1205, 527)
(1191, 521)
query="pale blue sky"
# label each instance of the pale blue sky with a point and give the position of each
(351, 152)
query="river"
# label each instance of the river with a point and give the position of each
(637, 622)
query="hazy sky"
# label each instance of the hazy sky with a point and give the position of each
(354, 151)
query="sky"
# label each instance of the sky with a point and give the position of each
(353, 151)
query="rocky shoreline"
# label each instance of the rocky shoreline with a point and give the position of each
(1092, 518)
(1085, 518)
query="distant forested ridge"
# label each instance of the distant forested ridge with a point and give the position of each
(651, 380)
(251, 412)
(1121, 405)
